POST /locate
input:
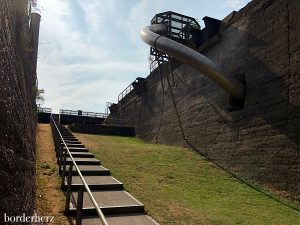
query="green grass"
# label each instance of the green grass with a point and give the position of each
(48, 169)
(45, 166)
(178, 186)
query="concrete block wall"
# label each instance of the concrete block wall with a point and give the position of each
(17, 111)
(102, 129)
(69, 119)
(259, 142)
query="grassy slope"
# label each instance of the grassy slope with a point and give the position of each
(50, 199)
(178, 186)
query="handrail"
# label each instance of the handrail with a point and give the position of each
(82, 113)
(99, 211)
(44, 110)
(126, 91)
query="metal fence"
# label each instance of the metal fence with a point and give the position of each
(125, 92)
(82, 113)
(44, 110)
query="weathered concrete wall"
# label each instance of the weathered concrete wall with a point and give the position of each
(102, 129)
(259, 142)
(17, 111)
(44, 117)
(69, 119)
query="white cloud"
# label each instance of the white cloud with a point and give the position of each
(234, 4)
(84, 85)
(78, 69)
(90, 50)
(88, 97)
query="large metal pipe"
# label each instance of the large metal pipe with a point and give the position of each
(153, 36)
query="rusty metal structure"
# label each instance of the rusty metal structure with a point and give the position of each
(169, 37)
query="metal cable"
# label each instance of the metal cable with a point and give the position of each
(163, 103)
(192, 146)
(174, 103)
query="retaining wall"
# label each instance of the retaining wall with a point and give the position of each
(17, 111)
(102, 129)
(69, 119)
(259, 142)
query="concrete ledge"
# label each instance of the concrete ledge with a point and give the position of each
(69, 119)
(44, 117)
(102, 129)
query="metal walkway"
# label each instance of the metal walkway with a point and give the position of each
(93, 196)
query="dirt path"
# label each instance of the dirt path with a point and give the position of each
(50, 200)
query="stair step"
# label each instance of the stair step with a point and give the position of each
(68, 136)
(121, 219)
(74, 145)
(84, 161)
(96, 183)
(66, 133)
(82, 154)
(90, 170)
(77, 149)
(110, 202)
(71, 139)
(71, 142)
(118, 206)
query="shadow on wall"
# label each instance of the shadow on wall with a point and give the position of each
(268, 93)
(268, 99)
(272, 98)
(259, 141)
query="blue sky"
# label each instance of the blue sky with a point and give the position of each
(90, 50)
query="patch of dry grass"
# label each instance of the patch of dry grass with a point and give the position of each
(50, 199)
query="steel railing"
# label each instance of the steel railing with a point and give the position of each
(44, 110)
(62, 151)
(125, 92)
(82, 113)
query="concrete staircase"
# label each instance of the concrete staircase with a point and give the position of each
(117, 205)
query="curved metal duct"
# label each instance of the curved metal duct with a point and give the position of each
(152, 35)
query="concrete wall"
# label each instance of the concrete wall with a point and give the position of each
(69, 119)
(102, 129)
(44, 117)
(17, 111)
(259, 142)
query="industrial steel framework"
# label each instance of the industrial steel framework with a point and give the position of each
(178, 29)
(156, 36)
